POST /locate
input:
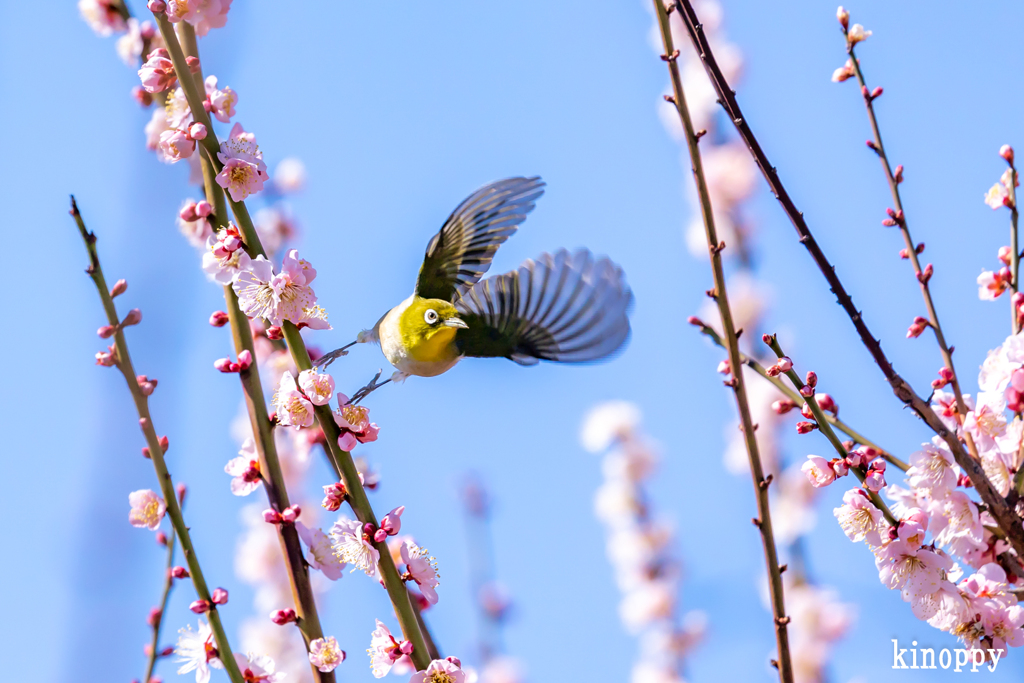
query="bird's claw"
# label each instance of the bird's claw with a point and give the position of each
(323, 361)
(370, 387)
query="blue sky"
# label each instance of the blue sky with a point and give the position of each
(399, 113)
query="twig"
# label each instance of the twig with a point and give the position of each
(123, 362)
(1000, 510)
(900, 219)
(826, 428)
(154, 652)
(763, 522)
(308, 620)
(340, 460)
(796, 398)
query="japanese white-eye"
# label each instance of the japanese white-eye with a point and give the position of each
(564, 307)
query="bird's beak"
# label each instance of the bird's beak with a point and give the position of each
(455, 322)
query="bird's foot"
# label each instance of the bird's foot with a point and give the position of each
(399, 377)
(323, 361)
(370, 387)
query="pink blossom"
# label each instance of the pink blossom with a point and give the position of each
(245, 469)
(102, 16)
(286, 295)
(244, 171)
(197, 652)
(325, 654)
(874, 479)
(931, 469)
(422, 569)
(844, 72)
(321, 553)
(441, 671)
(222, 102)
(175, 145)
(196, 229)
(179, 115)
(319, 388)
(818, 471)
(959, 528)
(293, 407)
(355, 424)
(390, 524)
(147, 509)
(992, 284)
(987, 421)
(859, 518)
(225, 257)
(353, 545)
(157, 73)
(202, 14)
(385, 650)
(258, 668)
(139, 36)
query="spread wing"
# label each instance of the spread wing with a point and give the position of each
(459, 255)
(566, 307)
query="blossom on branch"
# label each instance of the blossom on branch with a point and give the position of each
(147, 509)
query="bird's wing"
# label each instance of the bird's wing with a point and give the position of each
(567, 307)
(461, 252)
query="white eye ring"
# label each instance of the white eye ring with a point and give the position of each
(430, 316)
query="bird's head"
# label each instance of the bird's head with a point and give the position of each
(431, 320)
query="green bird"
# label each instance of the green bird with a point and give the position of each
(563, 307)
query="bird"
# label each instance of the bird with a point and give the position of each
(565, 307)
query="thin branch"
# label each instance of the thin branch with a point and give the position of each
(297, 568)
(826, 428)
(123, 362)
(764, 521)
(796, 398)
(900, 219)
(1000, 510)
(154, 644)
(340, 460)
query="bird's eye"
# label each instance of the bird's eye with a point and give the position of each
(430, 316)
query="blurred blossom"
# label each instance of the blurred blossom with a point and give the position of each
(102, 16)
(607, 422)
(275, 227)
(290, 175)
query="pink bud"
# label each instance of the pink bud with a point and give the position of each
(807, 391)
(919, 248)
(107, 358)
(926, 275)
(274, 333)
(877, 92)
(181, 490)
(220, 596)
(146, 385)
(903, 253)
(119, 288)
(291, 514)
(964, 480)
(164, 443)
(334, 495)
(188, 213)
(783, 406)
(826, 403)
(225, 365)
(1006, 152)
(455, 660)
(154, 616)
(193, 64)
(107, 331)
(784, 364)
(369, 529)
(694, 320)
(380, 536)
(197, 131)
(157, 6)
(811, 378)
(406, 647)
(806, 411)
(200, 606)
(844, 17)
(166, 652)
(244, 359)
(271, 516)
(840, 467)
(283, 616)
(391, 524)
(805, 427)
(179, 573)
(146, 454)
(917, 328)
(140, 95)
(134, 317)
(203, 208)
(897, 175)
(724, 367)
(219, 319)
(161, 538)
(1005, 255)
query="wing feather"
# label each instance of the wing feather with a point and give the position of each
(459, 255)
(565, 307)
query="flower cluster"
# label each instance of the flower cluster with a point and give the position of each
(282, 296)
(294, 400)
(637, 545)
